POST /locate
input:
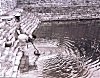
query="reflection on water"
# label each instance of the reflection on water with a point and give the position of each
(84, 35)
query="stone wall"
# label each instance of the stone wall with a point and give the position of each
(7, 5)
(72, 9)
(67, 2)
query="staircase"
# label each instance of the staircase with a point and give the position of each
(10, 57)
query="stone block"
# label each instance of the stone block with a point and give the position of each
(19, 54)
(15, 68)
(14, 74)
(22, 66)
(9, 72)
(23, 62)
(17, 62)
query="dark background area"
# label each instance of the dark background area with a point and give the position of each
(73, 29)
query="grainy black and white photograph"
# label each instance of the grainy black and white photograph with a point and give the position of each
(49, 38)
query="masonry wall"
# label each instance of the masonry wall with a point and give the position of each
(7, 5)
(67, 2)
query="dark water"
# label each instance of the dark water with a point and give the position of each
(75, 30)
(85, 34)
(72, 29)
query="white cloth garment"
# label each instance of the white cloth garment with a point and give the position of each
(23, 37)
(22, 43)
